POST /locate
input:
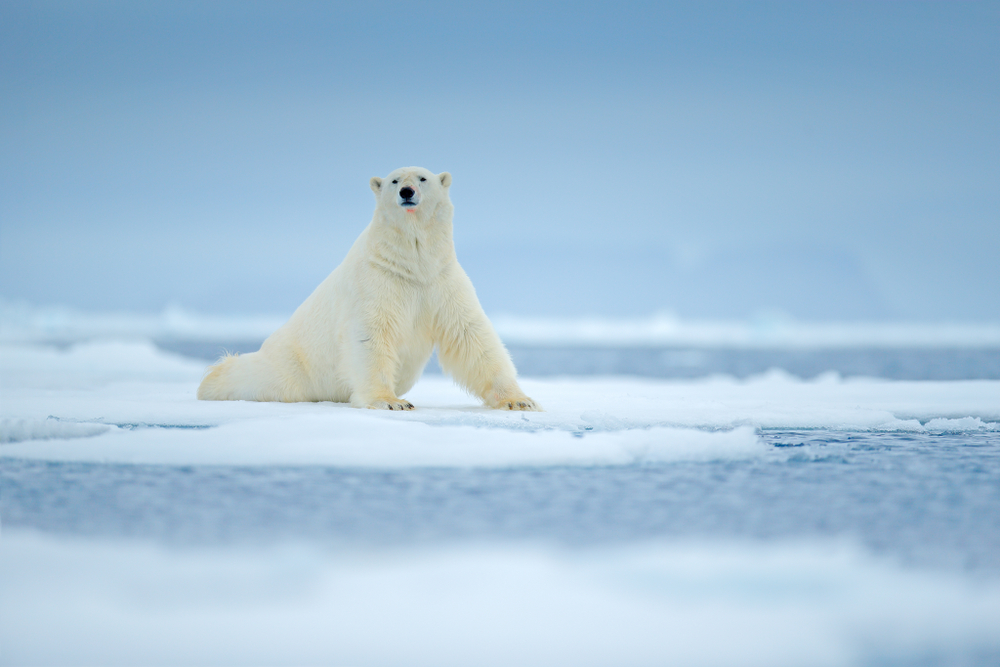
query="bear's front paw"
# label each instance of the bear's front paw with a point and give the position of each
(390, 404)
(522, 403)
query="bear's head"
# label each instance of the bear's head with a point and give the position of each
(411, 191)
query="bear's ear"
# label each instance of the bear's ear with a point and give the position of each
(376, 184)
(445, 178)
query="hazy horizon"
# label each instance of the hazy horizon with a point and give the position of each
(829, 161)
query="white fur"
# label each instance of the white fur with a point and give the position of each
(365, 334)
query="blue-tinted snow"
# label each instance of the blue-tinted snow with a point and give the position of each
(768, 520)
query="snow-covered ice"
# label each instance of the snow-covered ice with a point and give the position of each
(809, 601)
(16, 430)
(148, 397)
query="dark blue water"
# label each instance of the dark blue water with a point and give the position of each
(924, 499)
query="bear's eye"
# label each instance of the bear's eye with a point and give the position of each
(422, 178)
(395, 181)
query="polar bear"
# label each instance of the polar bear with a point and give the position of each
(365, 334)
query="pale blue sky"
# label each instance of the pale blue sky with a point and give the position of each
(827, 160)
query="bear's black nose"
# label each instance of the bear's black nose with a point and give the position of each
(406, 192)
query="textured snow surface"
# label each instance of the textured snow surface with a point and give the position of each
(17, 430)
(818, 601)
(139, 404)
(796, 604)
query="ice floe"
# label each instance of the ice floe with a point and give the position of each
(18, 430)
(138, 404)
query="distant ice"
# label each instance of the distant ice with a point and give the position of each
(51, 395)
(20, 322)
(798, 604)
(23, 323)
(765, 332)
(963, 425)
(92, 364)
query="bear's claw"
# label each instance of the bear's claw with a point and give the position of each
(524, 404)
(395, 404)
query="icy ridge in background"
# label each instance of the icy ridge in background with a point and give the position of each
(763, 331)
(24, 323)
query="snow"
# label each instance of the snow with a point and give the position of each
(16, 430)
(819, 601)
(714, 603)
(354, 441)
(92, 364)
(138, 405)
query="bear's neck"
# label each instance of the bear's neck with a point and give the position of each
(420, 246)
